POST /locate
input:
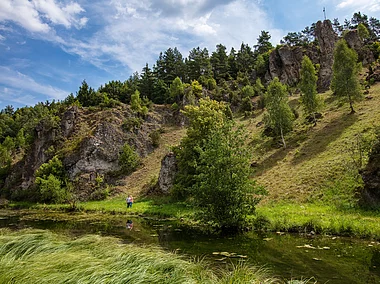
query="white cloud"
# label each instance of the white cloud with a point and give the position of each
(23, 13)
(360, 5)
(14, 80)
(10, 96)
(2, 38)
(136, 31)
(36, 15)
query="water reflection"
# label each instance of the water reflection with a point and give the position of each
(129, 225)
(327, 259)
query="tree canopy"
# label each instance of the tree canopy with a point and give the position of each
(345, 82)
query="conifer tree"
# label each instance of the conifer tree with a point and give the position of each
(345, 82)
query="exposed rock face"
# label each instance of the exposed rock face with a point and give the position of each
(327, 38)
(285, 62)
(353, 40)
(374, 74)
(46, 136)
(371, 177)
(88, 143)
(68, 120)
(168, 172)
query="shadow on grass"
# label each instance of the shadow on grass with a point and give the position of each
(272, 160)
(319, 140)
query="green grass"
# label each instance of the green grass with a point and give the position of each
(158, 206)
(44, 257)
(319, 218)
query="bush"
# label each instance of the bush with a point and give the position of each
(155, 136)
(100, 193)
(51, 189)
(128, 159)
(132, 123)
(50, 181)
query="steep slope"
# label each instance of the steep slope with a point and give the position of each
(318, 158)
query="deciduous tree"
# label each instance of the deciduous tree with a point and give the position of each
(308, 86)
(280, 116)
(345, 82)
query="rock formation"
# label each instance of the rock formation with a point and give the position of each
(285, 62)
(327, 38)
(353, 40)
(370, 195)
(167, 173)
(88, 144)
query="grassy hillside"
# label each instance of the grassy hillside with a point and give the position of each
(318, 161)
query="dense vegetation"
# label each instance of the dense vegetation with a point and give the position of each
(228, 81)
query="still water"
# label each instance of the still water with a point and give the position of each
(328, 259)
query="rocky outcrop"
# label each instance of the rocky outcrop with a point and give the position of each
(167, 173)
(88, 143)
(374, 73)
(68, 120)
(47, 134)
(327, 38)
(353, 40)
(370, 195)
(285, 62)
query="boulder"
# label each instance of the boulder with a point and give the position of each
(353, 40)
(370, 196)
(169, 169)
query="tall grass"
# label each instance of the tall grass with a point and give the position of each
(44, 257)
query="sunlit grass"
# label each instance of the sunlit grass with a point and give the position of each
(319, 218)
(44, 257)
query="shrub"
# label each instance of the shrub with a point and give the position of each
(128, 159)
(155, 136)
(50, 181)
(51, 189)
(132, 123)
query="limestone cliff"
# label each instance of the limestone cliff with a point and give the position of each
(88, 143)
(285, 61)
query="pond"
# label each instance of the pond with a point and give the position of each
(328, 259)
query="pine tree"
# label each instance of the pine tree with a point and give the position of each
(308, 86)
(263, 44)
(345, 82)
(147, 83)
(219, 63)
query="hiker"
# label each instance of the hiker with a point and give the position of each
(129, 201)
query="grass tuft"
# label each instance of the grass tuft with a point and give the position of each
(33, 256)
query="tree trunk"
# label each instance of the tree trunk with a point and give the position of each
(283, 139)
(315, 120)
(352, 108)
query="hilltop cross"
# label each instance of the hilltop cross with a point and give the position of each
(324, 12)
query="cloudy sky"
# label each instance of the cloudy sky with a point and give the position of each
(47, 47)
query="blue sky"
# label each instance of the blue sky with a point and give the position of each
(47, 47)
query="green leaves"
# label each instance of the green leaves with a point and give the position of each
(308, 86)
(280, 116)
(214, 166)
(345, 82)
(128, 159)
